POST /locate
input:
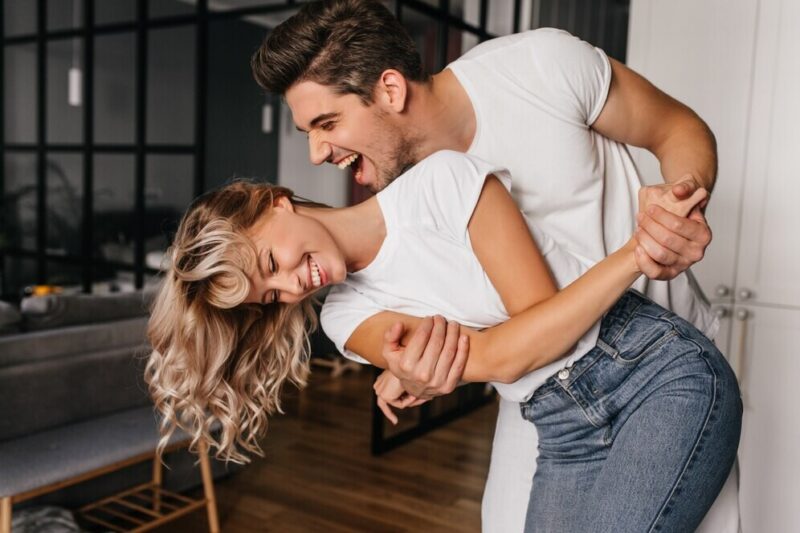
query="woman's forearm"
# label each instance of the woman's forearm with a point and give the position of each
(546, 331)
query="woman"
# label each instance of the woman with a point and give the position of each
(228, 329)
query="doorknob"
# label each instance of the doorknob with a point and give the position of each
(722, 291)
(745, 294)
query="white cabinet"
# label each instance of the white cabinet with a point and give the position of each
(737, 64)
(768, 366)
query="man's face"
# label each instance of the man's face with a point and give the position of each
(343, 131)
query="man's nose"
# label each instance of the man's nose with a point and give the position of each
(319, 150)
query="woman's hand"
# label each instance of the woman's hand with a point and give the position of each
(390, 392)
(664, 195)
(672, 233)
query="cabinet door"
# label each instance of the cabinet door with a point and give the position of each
(769, 253)
(764, 348)
(701, 53)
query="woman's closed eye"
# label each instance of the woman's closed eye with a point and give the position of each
(273, 269)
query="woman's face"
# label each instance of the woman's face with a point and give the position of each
(296, 256)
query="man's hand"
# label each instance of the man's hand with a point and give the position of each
(390, 393)
(433, 361)
(672, 232)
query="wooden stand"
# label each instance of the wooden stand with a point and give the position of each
(141, 508)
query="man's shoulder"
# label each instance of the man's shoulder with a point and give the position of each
(544, 40)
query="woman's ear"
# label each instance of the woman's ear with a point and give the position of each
(283, 202)
(392, 90)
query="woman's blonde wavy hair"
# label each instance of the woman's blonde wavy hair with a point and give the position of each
(215, 358)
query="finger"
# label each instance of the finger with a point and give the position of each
(693, 229)
(650, 268)
(446, 358)
(427, 363)
(659, 245)
(419, 340)
(387, 411)
(684, 187)
(459, 364)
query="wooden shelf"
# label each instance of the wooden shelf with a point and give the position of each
(139, 509)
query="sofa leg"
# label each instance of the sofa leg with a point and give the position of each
(157, 483)
(5, 514)
(208, 488)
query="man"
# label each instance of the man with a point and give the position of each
(552, 109)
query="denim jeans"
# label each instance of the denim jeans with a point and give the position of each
(640, 433)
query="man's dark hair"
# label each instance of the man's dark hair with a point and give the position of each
(342, 44)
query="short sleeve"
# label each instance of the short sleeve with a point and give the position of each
(579, 74)
(343, 311)
(446, 186)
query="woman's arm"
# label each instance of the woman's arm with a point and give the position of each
(544, 325)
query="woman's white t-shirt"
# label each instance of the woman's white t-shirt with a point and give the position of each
(426, 264)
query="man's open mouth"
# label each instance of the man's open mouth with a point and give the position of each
(355, 163)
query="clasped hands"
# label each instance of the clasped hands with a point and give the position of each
(672, 235)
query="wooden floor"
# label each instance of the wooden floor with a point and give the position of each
(318, 474)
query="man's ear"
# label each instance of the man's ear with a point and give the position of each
(283, 202)
(392, 90)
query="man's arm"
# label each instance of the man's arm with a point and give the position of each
(639, 114)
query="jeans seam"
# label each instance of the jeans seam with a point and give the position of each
(635, 361)
(692, 456)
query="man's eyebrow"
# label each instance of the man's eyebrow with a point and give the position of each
(319, 118)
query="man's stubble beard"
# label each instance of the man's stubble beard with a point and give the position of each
(403, 156)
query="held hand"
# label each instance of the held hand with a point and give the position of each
(390, 393)
(673, 233)
(433, 361)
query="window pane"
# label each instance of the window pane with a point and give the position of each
(168, 8)
(20, 272)
(235, 140)
(19, 100)
(467, 10)
(64, 204)
(64, 14)
(171, 85)
(19, 17)
(112, 11)
(64, 120)
(66, 275)
(19, 201)
(115, 88)
(114, 206)
(459, 42)
(169, 191)
(424, 30)
(227, 5)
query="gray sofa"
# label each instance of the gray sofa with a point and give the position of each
(72, 398)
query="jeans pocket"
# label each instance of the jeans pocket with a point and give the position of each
(642, 335)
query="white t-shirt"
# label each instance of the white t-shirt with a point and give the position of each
(535, 95)
(426, 264)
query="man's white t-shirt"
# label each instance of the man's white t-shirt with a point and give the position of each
(535, 95)
(426, 264)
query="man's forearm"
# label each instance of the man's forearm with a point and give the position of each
(690, 149)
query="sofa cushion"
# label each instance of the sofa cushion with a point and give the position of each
(55, 343)
(62, 453)
(59, 310)
(54, 392)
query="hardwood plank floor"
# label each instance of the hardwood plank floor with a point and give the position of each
(318, 473)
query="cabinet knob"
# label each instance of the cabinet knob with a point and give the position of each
(745, 294)
(722, 290)
(742, 314)
(722, 312)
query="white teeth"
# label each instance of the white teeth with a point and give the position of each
(344, 163)
(315, 279)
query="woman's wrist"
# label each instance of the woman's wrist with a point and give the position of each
(627, 255)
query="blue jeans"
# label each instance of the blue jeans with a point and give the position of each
(639, 434)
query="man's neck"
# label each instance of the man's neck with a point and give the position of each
(441, 114)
